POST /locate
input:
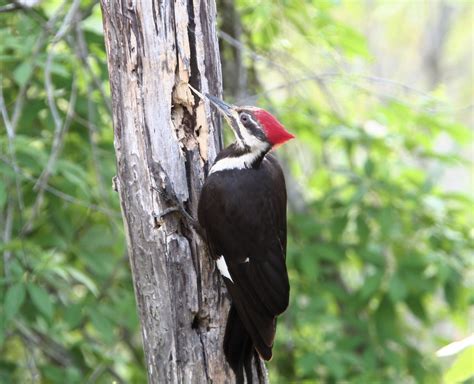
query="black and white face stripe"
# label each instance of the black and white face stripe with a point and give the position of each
(250, 131)
(250, 140)
(251, 125)
(237, 131)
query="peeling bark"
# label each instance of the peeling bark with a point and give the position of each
(162, 131)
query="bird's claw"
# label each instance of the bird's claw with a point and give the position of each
(189, 219)
(167, 211)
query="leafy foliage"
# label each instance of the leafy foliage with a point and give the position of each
(378, 250)
(68, 305)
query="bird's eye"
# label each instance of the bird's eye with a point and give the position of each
(244, 118)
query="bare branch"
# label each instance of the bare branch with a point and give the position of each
(55, 150)
(82, 53)
(18, 4)
(10, 7)
(254, 55)
(60, 128)
(115, 375)
(40, 43)
(319, 78)
(11, 145)
(31, 361)
(96, 374)
(354, 80)
(48, 346)
(7, 236)
(67, 22)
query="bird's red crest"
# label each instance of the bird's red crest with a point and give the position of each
(275, 131)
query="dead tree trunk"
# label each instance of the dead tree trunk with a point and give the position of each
(162, 132)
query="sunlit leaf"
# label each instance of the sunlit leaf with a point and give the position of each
(462, 369)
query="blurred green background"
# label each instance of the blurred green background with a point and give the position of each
(380, 183)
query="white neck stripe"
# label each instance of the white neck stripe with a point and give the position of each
(240, 162)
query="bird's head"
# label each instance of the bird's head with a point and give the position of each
(254, 128)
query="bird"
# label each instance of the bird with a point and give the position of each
(242, 210)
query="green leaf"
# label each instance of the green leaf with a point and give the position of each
(326, 251)
(75, 174)
(370, 286)
(52, 373)
(369, 167)
(396, 289)
(386, 320)
(14, 298)
(363, 230)
(41, 300)
(83, 279)
(462, 368)
(102, 325)
(73, 315)
(415, 304)
(22, 73)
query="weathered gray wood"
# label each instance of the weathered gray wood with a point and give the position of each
(155, 48)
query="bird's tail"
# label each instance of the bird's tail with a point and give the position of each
(238, 347)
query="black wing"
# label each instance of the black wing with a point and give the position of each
(244, 214)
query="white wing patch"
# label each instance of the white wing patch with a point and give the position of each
(222, 266)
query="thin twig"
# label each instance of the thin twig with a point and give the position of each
(7, 236)
(115, 375)
(59, 133)
(324, 77)
(58, 139)
(96, 374)
(254, 55)
(8, 230)
(31, 361)
(319, 78)
(82, 53)
(58, 123)
(53, 350)
(37, 49)
(11, 145)
(10, 7)
(59, 126)
(67, 22)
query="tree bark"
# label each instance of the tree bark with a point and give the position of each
(166, 138)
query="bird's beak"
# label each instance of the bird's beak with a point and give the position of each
(222, 106)
(229, 112)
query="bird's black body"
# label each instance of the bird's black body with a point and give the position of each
(242, 209)
(244, 214)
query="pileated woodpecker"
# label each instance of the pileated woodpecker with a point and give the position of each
(242, 208)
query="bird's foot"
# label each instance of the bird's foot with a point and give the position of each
(168, 196)
(179, 208)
